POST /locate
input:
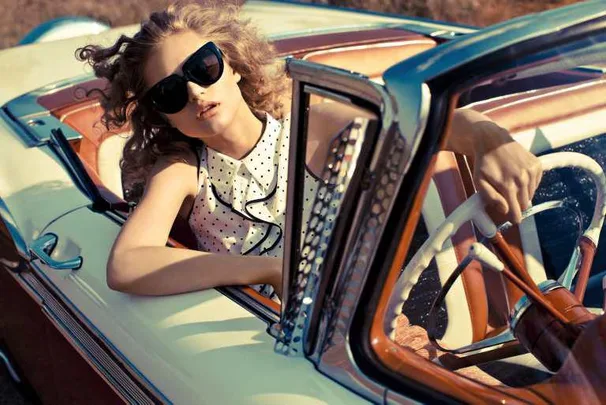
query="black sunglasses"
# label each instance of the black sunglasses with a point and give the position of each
(204, 67)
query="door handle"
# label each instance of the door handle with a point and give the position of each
(42, 248)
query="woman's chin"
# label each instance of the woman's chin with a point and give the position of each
(204, 129)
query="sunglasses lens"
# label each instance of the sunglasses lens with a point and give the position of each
(170, 95)
(206, 67)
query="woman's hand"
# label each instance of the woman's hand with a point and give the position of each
(505, 174)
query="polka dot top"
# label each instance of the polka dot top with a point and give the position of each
(240, 206)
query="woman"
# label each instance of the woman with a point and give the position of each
(204, 100)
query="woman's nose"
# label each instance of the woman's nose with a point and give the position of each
(195, 91)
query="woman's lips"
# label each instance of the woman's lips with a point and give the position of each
(207, 111)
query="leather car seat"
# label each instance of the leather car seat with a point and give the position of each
(109, 154)
(539, 119)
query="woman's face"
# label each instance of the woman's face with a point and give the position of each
(195, 119)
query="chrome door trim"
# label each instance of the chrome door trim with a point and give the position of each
(332, 354)
(129, 383)
(42, 248)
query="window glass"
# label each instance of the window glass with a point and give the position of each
(334, 131)
(554, 101)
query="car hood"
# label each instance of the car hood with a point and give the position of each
(28, 67)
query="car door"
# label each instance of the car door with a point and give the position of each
(36, 190)
(184, 348)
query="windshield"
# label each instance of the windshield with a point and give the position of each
(455, 302)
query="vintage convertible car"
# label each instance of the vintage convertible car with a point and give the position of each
(401, 290)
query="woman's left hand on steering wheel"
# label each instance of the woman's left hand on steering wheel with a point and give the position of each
(505, 174)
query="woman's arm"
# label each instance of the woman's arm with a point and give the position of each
(505, 174)
(141, 263)
(326, 121)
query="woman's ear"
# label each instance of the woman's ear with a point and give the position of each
(237, 75)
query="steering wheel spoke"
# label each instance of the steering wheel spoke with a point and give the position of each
(473, 210)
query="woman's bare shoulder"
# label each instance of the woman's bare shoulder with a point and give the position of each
(175, 173)
(171, 181)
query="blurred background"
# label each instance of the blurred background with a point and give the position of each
(21, 16)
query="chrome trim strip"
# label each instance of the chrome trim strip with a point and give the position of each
(247, 302)
(95, 354)
(27, 288)
(9, 366)
(37, 131)
(44, 283)
(42, 248)
(326, 94)
(332, 353)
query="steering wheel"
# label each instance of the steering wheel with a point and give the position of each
(510, 266)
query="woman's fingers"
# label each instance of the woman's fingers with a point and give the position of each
(535, 179)
(506, 200)
(505, 174)
(511, 172)
(492, 197)
(523, 196)
(515, 204)
(508, 191)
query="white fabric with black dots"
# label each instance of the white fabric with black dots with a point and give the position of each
(240, 207)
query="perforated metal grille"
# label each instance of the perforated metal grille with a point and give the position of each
(365, 247)
(336, 175)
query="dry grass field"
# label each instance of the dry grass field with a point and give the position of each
(20, 16)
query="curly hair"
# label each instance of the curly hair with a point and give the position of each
(263, 84)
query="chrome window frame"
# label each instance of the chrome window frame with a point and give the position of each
(329, 346)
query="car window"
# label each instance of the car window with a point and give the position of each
(552, 107)
(334, 123)
(334, 133)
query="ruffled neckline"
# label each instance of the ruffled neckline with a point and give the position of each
(249, 186)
